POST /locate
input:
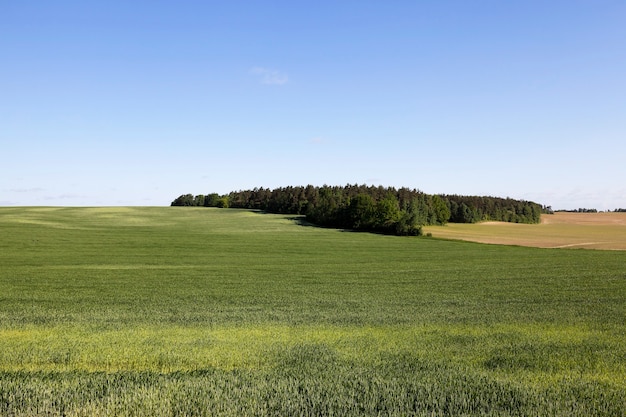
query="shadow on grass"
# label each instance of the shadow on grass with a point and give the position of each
(301, 220)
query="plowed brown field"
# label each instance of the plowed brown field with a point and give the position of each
(559, 230)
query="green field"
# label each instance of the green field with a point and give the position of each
(219, 312)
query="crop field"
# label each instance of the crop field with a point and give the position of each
(559, 230)
(166, 311)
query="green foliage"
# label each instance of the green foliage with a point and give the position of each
(441, 210)
(464, 214)
(368, 208)
(469, 209)
(211, 200)
(582, 210)
(409, 221)
(387, 213)
(184, 200)
(172, 312)
(361, 213)
(223, 202)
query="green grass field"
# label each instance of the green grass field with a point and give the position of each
(195, 311)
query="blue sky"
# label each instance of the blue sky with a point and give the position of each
(134, 103)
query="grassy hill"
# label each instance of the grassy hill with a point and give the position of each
(196, 311)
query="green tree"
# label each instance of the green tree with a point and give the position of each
(441, 210)
(361, 212)
(387, 213)
(184, 200)
(223, 202)
(198, 200)
(211, 200)
(409, 222)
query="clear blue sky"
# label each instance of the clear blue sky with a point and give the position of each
(136, 102)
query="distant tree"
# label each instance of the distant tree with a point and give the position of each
(408, 224)
(361, 212)
(387, 213)
(223, 202)
(441, 210)
(466, 214)
(211, 200)
(580, 210)
(198, 200)
(184, 200)
(370, 208)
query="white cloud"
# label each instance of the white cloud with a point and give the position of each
(26, 190)
(270, 76)
(64, 197)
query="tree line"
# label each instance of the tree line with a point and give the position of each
(591, 210)
(379, 209)
(580, 210)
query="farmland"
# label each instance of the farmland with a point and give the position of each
(202, 311)
(560, 230)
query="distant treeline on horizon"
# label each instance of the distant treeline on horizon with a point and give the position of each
(369, 208)
(590, 210)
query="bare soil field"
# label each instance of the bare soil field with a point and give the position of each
(560, 230)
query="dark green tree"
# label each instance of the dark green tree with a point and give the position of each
(387, 213)
(361, 212)
(184, 200)
(211, 200)
(441, 210)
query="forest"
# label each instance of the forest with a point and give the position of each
(377, 209)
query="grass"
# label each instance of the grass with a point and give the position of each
(193, 311)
